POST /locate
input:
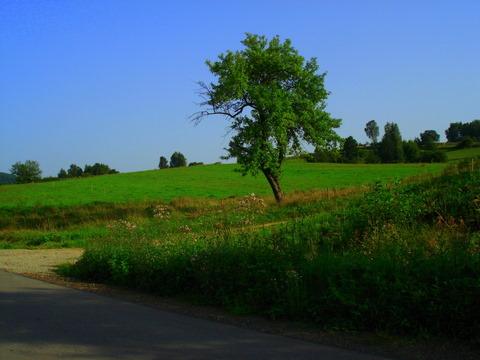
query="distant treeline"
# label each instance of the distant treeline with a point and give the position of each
(177, 159)
(96, 169)
(458, 131)
(29, 172)
(6, 178)
(393, 149)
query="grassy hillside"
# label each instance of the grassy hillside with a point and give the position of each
(461, 154)
(210, 181)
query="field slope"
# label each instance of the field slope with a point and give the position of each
(210, 181)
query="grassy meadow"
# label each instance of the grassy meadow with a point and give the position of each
(461, 154)
(208, 181)
(71, 212)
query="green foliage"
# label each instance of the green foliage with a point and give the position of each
(196, 163)
(75, 171)
(6, 178)
(458, 131)
(350, 151)
(329, 153)
(163, 163)
(466, 143)
(371, 155)
(429, 138)
(372, 131)
(178, 160)
(403, 259)
(433, 156)
(26, 172)
(62, 174)
(274, 100)
(454, 132)
(411, 151)
(391, 148)
(98, 169)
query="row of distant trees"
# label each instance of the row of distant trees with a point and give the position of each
(177, 159)
(459, 131)
(96, 169)
(393, 149)
(29, 171)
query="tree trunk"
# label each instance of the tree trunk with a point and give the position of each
(274, 184)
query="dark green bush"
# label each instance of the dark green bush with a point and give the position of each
(429, 156)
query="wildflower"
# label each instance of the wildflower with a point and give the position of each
(161, 212)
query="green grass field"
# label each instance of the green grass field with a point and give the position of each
(210, 181)
(461, 154)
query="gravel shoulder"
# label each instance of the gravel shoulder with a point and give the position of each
(39, 264)
(41, 261)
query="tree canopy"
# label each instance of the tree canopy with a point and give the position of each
(429, 138)
(372, 131)
(178, 160)
(391, 147)
(163, 163)
(26, 172)
(458, 131)
(350, 150)
(274, 100)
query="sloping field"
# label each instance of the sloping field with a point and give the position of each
(214, 181)
(469, 153)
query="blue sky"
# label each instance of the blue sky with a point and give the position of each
(115, 81)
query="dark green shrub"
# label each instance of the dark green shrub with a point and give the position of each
(429, 156)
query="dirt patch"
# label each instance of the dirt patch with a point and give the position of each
(36, 261)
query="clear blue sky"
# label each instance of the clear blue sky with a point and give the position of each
(115, 81)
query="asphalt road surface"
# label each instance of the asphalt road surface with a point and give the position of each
(40, 321)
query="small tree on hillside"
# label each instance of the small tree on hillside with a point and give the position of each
(62, 174)
(274, 99)
(74, 171)
(372, 131)
(178, 160)
(163, 163)
(391, 147)
(26, 172)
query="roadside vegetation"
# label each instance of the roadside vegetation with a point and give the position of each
(402, 258)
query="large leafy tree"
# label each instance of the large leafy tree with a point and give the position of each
(26, 172)
(274, 99)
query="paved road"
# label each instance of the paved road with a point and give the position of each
(44, 321)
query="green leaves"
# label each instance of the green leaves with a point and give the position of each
(275, 100)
